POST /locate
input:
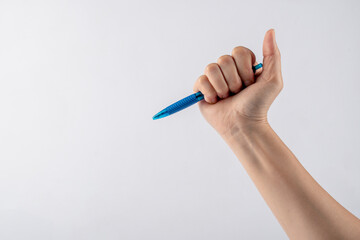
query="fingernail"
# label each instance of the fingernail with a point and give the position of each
(274, 37)
(209, 100)
(225, 96)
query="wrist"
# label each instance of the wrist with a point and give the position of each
(243, 130)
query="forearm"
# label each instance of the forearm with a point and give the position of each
(303, 208)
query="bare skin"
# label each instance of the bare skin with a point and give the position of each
(236, 105)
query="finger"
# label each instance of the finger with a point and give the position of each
(272, 58)
(203, 85)
(217, 80)
(230, 73)
(244, 59)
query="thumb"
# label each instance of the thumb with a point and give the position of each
(271, 53)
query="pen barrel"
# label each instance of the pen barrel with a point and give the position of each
(185, 102)
(199, 96)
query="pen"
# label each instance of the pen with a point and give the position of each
(187, 101)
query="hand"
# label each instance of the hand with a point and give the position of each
(235, 97)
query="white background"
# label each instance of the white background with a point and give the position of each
(81, 157)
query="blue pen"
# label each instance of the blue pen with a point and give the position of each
(187, 101)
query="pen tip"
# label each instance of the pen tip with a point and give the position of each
(160, 114)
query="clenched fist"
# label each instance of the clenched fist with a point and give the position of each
(235, 96)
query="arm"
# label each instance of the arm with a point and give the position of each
(236, 105)
(303, 208)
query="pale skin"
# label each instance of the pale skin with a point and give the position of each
(236, 106)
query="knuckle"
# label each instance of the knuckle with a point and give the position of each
(223, 93)
(280, 84)
(203, 80)
(211, 99)
(239, 50)
(237, 80)
(224, 60)
(277, 82)
(250, 77)
(236, 86)
(236, 89)
(212, 95)
(243, 51)
(212, 67)
(199, 83)
(278, 53)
